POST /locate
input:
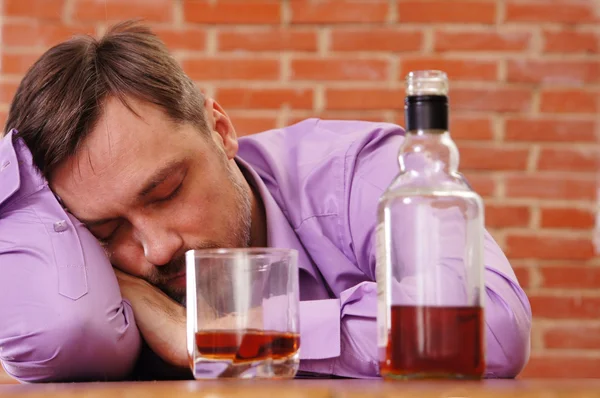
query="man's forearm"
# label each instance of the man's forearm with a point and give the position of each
(160, 319)
(340, 334)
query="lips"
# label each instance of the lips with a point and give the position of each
(175, 277)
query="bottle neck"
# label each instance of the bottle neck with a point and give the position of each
(427, 146)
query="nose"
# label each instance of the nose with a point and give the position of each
(160, 242)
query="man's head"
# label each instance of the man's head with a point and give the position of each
(134, 151)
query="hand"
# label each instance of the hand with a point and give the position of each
(161, 320)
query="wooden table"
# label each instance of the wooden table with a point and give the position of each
(312, 389)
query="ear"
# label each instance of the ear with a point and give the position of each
(221, 127)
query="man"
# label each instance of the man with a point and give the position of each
(153, 168)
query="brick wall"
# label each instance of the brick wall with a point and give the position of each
(525, 98)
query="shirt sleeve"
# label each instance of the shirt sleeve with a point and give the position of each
(507, 310)
(62, 317)
(339, 335)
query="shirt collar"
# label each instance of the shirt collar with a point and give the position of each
(280, 233)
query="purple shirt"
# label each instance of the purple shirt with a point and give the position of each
(61, 312)
(63, 317)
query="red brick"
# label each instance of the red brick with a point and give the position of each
(482, 183)
(268, 98)
(569, 159)
(561, 11)
(456, 11)
(399, 118)
(376, 39)
(481, 41)
(456, 69)
(566, 218)
(574, 337)
(188, 38)
(568, 41)
(271, 39)
(470, 128)
(339, 69)
(17, 64)
(569, 101)
(117, 10)
(231, 68)
(570, 277)
(502, 216)
(476, 156)
(41, 9)
(39, 34)
(549, 248)
(247, 125)
(565, 307)
(7, 91)
(561, 367)
(367, 99)
(497, 99)
(339, 11)
(553, 72)
(551, 187)
(232, 11)
(3, 117)
(549, 130)
(523, 276)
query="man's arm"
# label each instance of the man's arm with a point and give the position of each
(161, 320)
(338, 336)
(351, 320)
(62, 317)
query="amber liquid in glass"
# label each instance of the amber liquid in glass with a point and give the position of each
(435, 342)
(246, 345)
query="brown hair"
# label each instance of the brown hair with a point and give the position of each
(60, 98)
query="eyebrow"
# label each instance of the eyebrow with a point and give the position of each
(158, 178)
(154, 181)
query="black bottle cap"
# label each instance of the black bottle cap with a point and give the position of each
(426, 112)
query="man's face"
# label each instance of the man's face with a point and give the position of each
(150, 190)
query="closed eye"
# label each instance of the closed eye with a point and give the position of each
(105, 239)
(171, 195)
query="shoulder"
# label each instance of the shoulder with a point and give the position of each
(323, 136)
(315, 159)
(314, 143)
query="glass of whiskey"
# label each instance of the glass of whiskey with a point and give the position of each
(242, 313)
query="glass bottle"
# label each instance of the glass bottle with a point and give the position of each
(430, 250)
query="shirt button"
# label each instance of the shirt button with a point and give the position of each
(60, 226)
(5, 165)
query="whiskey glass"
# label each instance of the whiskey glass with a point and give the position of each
(242, 313)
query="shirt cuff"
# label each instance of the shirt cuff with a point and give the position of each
(320, 329)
